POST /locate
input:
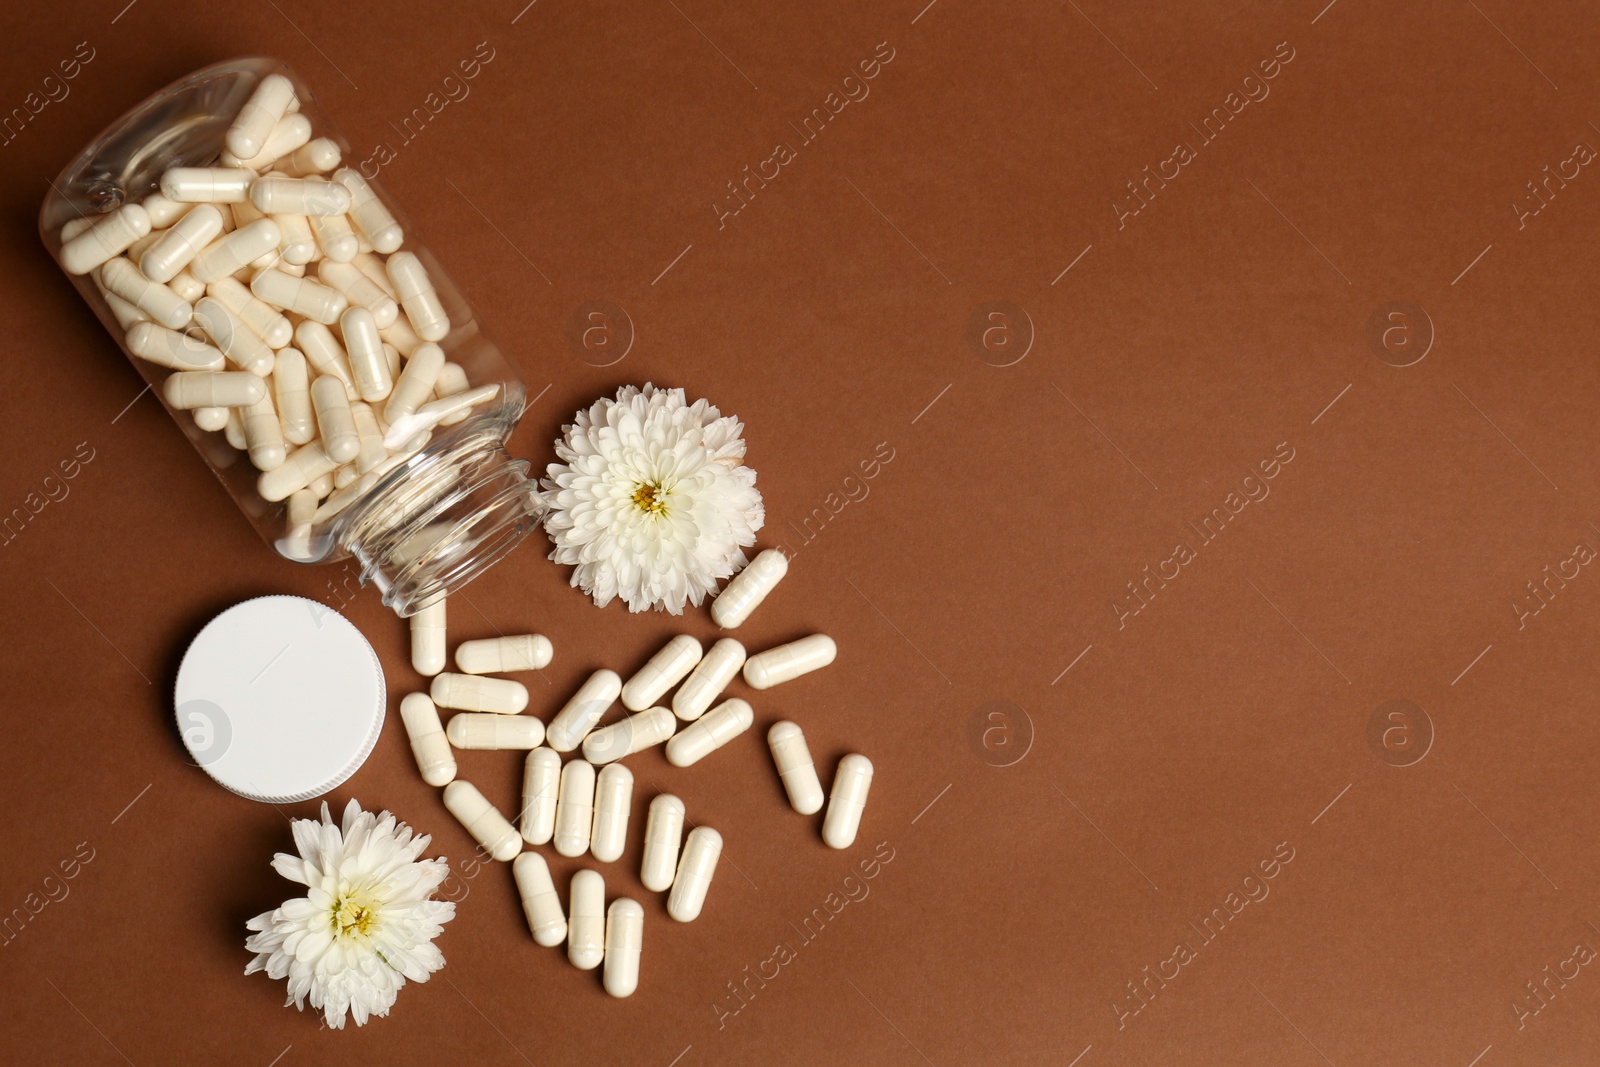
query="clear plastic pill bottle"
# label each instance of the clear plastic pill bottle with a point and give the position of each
(398, 459)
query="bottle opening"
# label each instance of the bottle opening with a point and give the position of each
(442, 519)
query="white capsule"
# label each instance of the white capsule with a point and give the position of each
(541, 783)
(156, 301)
(288, 135)
(701, 850)
(360, 290)
(305, 466)
(334, 421)
(125, 313)
(137, 250)
(244, 213)
(624, 940)
(479, 730)
(293, 394)
(300, 295)
(578, 716)
(633, 734)
(187, 286)
(73, 227)
(180, 351)
(324, 353)
(296, 245)
(299, 196)
(415, 383)
(749, 588)
(664, 670)
(452, 384)
(372, 266)
(451, 409)
(364, 347)
(710, 732)
(322, 485)
(335, 237)
(787, 662)
(345, 475)
(586, 927)
(371, 217)
(471, 692)
(314, 157)
(210, 419)
(391, 356)
(540, 903)
(263, 434)
(177, 246)
(709, 678)
(418, 296)
(428, 744)
(428, 629)
(663, 833)
(795, 769)
(263, 320)
(266, 262)
(613, 799)
(238, 342)
(574, 808)
(213, 389)
(104, 239)
(229, 254)
(233, 430)
(405, 340)
(504, 655)
(372, 452)
(268, 104)
(207, 185)
(482, 820)
(162, 212)
(846, 800)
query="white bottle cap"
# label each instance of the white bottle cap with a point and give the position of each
(280, 699)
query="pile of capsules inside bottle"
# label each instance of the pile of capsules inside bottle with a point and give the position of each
(578, 810)
(274, 287)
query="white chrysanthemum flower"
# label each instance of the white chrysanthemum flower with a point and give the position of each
(651, 501)
(366, 923)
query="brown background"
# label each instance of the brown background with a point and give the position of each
(1042, 858)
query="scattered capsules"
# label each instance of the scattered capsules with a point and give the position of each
(747, 589)
(539, 901)
(664, 670)
(795, 769)
(472, 692)
(541, 783)
(710, 732)
(478, 730)
(428, 744)
(787, 662)
(701, 849)
(633, 734)
(574, 808)
(586, 920)
(846, 800)
(578, 716)
(624, 940)
(708, 679)
(613, 797)
(503, 655)
(482, 819)
(663, 834)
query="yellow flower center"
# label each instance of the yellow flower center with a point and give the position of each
(650, 498)
(352, 917)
